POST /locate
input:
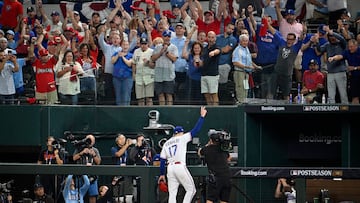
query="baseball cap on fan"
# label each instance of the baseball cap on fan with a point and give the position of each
(43, 52)
(209, 12)
(30, 9)
(313, 62)
(180, 24)
(143, 40)
(290, 12)
(54, 13)
(176, 6)
(321, 29)
(166, 33)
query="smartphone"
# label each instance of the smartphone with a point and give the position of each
(9, 52)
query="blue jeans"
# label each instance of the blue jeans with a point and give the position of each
(122, 88)
(7, 99)
(87, 83)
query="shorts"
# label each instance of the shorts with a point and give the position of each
(47, 97)
(219, 190)
(209, 84)
(166, 87)
(144, 91)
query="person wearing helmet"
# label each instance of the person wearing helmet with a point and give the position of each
(174, 151)
(217, 159)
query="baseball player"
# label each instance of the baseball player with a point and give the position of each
(174, 151)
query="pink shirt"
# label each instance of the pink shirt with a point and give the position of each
(286, 28)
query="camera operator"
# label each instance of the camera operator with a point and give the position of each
(217, 159)
(87, 154)
(5, 196)
(120, 157)
(50, 155)
(142, 153)
(120, 151)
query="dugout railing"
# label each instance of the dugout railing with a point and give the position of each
(148, 174)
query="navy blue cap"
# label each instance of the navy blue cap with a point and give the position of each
(166, 33)
(313, 61)
(37, 185)
(290, 12)
(143, 40)
(178, 129)
(321, 29)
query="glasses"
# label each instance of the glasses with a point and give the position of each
(167, 36)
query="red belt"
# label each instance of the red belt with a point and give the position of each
(177, 162)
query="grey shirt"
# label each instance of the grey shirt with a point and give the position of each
(332, 50)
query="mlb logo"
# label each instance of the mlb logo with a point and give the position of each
(306, 108)
(294, 172)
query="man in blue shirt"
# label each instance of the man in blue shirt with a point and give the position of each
(180, 63)
(265, 58)
(352, 56)
(228, 43)
(309, 47)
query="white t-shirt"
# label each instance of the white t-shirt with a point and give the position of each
(291, 196)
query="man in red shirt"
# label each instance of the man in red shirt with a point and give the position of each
(313, 83)
(11, 15)
(45, 77)
(210, 22)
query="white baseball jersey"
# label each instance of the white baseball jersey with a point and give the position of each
(174, 149)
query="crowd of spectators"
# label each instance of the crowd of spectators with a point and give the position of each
(146, 54)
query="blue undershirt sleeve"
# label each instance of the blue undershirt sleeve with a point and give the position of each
(162, 166)
(197, 126)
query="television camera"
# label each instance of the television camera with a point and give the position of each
(79, 144)
(5, 187)
(59, 144)
(82, 144)
(5, 190)
(222, 137)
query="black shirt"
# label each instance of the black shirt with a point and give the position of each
(216, 160)
(210, 67)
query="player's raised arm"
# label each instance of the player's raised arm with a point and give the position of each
(200, 122)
